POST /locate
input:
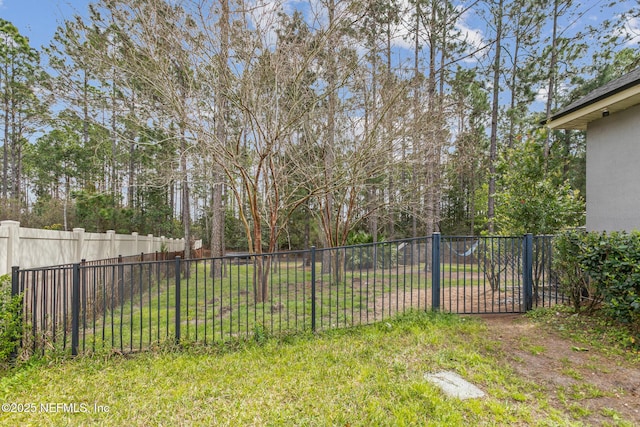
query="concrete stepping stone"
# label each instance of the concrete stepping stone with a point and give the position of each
(454, 385)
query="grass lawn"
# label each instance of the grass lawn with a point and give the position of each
(364, 376)
(131, 306)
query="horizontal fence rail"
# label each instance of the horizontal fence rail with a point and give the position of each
(140, 303)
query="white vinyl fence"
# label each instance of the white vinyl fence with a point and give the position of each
(30, 247)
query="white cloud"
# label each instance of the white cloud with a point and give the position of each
(264, 17)
(7, 40)
(630, 31)
(474, 37)
(543, 92)
(403, 36)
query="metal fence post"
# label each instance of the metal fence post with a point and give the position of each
(527, 271)
(15, 289)
(435, 271)
(75, 310)
(178, 321)
(313, 288)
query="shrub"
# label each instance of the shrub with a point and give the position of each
(10, 320)
(574, 282)
(369, 255)
(613, 262)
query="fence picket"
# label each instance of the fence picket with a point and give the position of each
(75, 310)
(435, 272)
(127, 304)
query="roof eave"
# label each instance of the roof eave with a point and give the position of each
(579, 117)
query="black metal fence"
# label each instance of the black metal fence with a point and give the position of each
(141, 303)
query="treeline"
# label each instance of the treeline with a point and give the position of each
(277, 125)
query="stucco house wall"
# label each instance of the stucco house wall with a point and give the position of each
(613, 172)
(610, 115)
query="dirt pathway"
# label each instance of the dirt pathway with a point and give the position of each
(582, 381)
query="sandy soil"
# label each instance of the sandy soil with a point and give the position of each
(565, 368)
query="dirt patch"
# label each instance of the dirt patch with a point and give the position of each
(461, 299)
(581, 381)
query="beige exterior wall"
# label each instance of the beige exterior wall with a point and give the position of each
(31, 248)
(613, 172)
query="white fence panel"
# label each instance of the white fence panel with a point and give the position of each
(30, 247)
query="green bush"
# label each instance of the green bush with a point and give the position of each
(10, 320)
(574, 282)
(368, 255)
(612, 261)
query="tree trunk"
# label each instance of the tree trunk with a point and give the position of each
(552, 77)
(186, 216)
(493, 147)
(222, 106)
(416, 121)
(328, 220)
(5, 146)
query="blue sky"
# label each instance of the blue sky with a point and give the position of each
(38, 19)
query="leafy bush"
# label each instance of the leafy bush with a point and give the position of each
(368, 255)
(531, 200)
(613, 262)
(359, 237)
(10, 320)
(574, 282)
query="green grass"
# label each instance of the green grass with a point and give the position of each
(459, 268)
(615, 417)
(214, 309)
(224, 308)
(364, 376)
(593, 330)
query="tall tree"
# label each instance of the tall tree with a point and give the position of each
(223, 114)
(21, 112)
(498, 15)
